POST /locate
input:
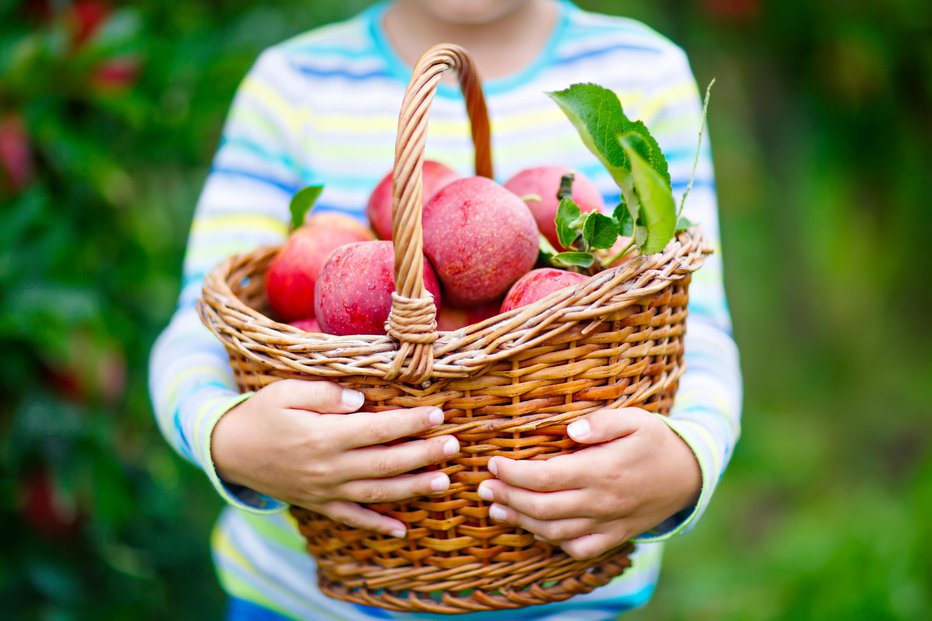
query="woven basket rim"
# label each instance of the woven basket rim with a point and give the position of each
(459, 352)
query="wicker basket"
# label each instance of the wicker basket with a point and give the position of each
(508, 386)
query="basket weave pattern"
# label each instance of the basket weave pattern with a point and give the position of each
(508, 386)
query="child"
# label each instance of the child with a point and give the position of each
(322, 108)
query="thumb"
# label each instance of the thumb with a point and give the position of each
(321, 397)
(606, 425)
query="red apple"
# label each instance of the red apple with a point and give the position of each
(544, 181)
(354, 289)
(291, 277)
(308, 325)
(435, 175)
(480, 238)
(452, 318)
(539, 284)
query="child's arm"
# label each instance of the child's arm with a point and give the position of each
(646, 475)
(279, 444)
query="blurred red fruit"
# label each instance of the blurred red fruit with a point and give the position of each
(43, 508)
(15, 153)
(116, 75)
(86, 18)
(733, 10)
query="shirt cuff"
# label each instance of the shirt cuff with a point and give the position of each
(237, 495)
(696, 437)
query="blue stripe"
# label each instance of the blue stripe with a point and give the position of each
(342, 73)
(241, 610)
(246, 174)
(185, 446)
(626, 47)
(698, 183)
(318, 49)
(276, 158)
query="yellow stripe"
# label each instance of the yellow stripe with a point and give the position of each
(198, 421)
(262, 92)
(207, 369)
(343, 154)
(235, 585)
(668, 96)
(355, 125)
(223, 546)
(710, 442)
(336, 124)
(273, 532)
(240, 221)
(212, 253)
(246, 116)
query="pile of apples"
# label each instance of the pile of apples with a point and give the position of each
(481, 243)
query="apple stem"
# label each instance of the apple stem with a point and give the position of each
(566, 186)
(621, 253)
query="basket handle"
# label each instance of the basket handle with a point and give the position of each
(412, 321)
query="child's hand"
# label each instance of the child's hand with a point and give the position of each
(638, 474)
(292, 442)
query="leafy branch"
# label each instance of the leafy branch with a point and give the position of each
(646, 211)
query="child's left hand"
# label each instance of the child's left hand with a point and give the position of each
(637, 473)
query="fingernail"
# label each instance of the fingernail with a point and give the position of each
(493, 466)
(439, 484)
(352, 398)
(435, 417)
(578, 430)
(451, 447)
(398, 532)
(497, 513)
(485, 492)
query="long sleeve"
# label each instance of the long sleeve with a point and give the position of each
(707, 411)
(244, 204)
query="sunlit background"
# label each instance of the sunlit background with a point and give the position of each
(821, 124)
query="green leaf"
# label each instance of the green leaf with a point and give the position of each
(683, 223)
(658, 209)
(600, 231)
(623, 217)
(640, 237)
(573, 259)
(597, 114)
(302, 202)
(567, 221)
(620, 209)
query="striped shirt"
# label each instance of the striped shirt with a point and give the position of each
(323, 108)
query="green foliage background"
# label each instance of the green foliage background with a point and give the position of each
(822, 132)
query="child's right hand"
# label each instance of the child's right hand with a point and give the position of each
(291, 441)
